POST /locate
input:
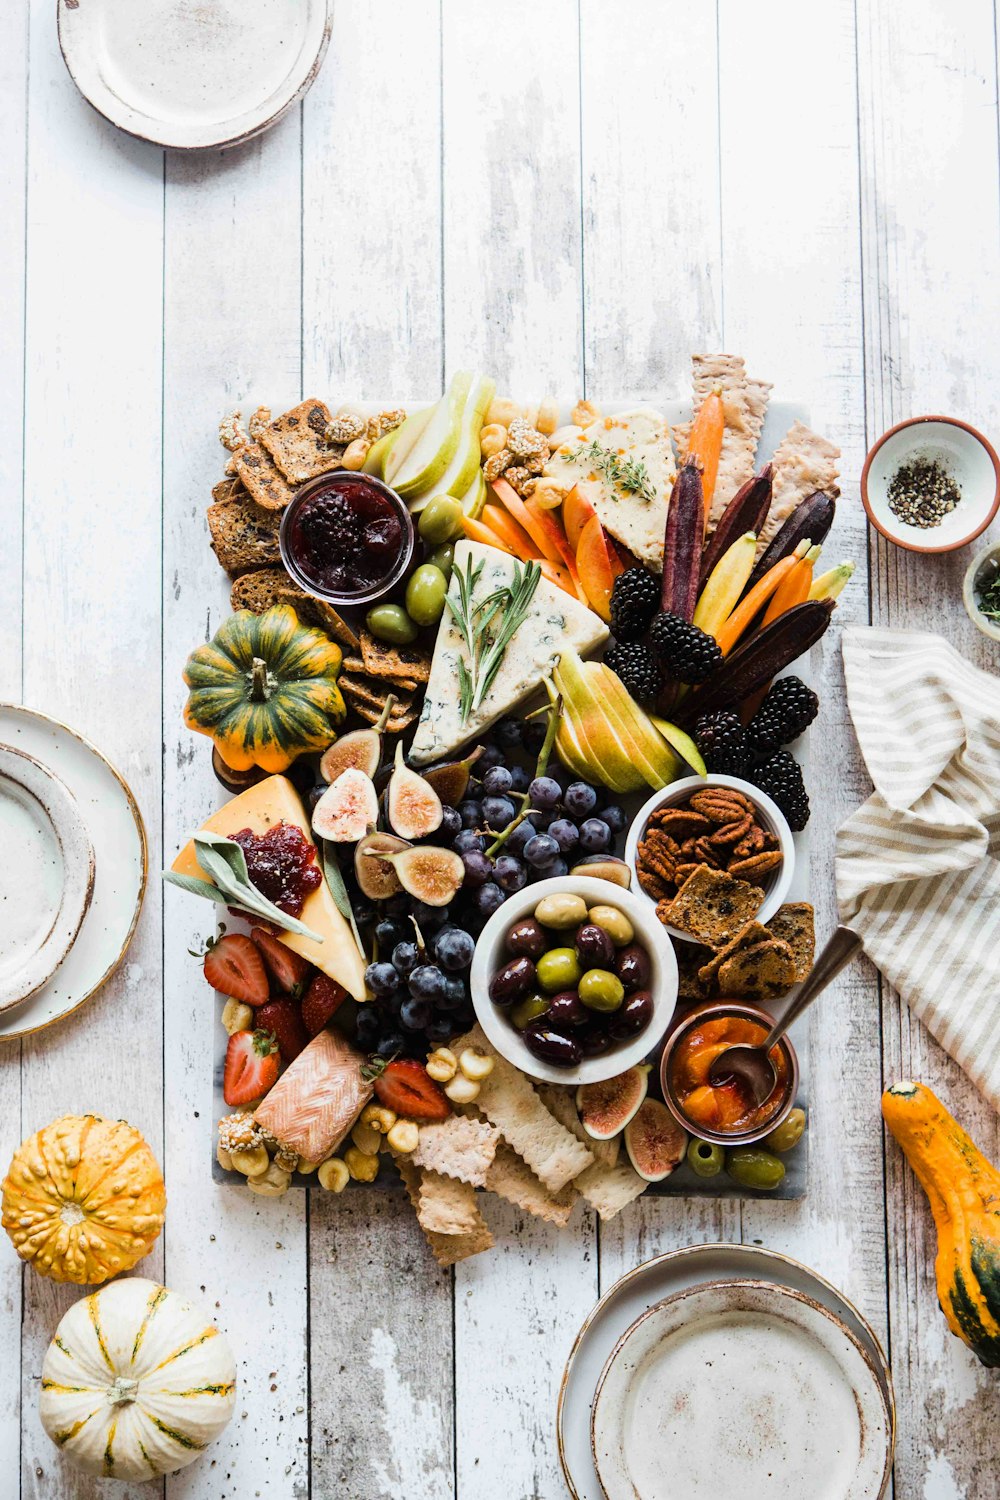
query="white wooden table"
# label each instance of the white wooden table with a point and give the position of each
(573, 195)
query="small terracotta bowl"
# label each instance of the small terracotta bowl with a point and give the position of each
(962, 452)
(698, 1016)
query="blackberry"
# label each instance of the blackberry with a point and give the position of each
(722, 740)
(788, 709)
(634, 598)
(687, 653)
(636, 666)
(781, 778)
(330, 525)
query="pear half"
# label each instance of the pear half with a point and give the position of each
(424, 466)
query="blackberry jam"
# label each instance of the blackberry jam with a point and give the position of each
(281, 863)
(346, 537)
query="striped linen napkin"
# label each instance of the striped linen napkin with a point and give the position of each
(918, 865)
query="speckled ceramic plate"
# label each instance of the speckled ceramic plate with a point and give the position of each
(193, 75)
(46, 874)
(114, 827)
(740, 1386)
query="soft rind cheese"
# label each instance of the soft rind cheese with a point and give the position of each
(271, 801)
(641, 435)
(554, 621)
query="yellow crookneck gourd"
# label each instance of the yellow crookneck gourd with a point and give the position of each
(964, 1193)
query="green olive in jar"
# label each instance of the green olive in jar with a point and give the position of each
(753, 1167)
(788, 1134)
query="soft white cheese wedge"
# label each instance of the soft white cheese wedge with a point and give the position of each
(554, 621)
(624, 465)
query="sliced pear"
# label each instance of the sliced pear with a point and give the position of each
(475, 497)
(385, 456)
(681, 742)
(422, 468)
(608, 755)
(463, 471)
(567, 745)
(657, 761)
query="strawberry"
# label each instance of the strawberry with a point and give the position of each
(322, 999)
(251, 1065)
(289, 970)
(234, 966)
(406, 1086)
(284, 1018)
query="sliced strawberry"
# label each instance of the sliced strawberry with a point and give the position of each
(406, 1086)
(289, 970)
(284, 1018)
(323, 999)
(234, 966)
(251, 1065)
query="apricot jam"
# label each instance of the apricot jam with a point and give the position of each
(346, 536)
(281, 863)
(725, 1108)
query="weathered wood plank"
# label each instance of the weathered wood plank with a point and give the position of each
(92, 593)
(927, 87)
(231, 339)
(381, 1312)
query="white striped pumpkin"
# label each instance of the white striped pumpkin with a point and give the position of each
(136, 1382)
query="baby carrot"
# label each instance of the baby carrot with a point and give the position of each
(748, 608)
(705, 442)
(794, 587)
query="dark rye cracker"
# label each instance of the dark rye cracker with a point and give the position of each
(794, 924)
(712, 906)
(297, 443)
(244, 538)
(398, 662)
(317, 612)
(260, 589)
(261, 477)
(764, 971)
(747, 936)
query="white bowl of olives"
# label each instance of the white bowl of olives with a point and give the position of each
(574, 980)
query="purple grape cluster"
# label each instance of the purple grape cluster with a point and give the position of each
(420, 981)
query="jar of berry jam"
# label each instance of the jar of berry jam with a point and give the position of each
(346, 537)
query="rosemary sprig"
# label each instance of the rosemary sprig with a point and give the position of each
(488, 627)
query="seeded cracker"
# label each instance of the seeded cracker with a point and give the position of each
(752, 933)
(712, 906)
(764, 971)
(261, 477)
(512, 1179)
(794, 924)
(447, 1249)
(458, 1147)
(510, 1103)
(297, 442)
(398, 662)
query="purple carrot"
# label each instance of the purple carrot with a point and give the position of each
(746, 511)
(812, 519)
(682, 542)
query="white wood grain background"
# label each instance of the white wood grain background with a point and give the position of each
(575, 196)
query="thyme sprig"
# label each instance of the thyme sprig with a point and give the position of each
(488, 627)
(629, 475)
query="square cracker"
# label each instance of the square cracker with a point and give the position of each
(764, 971)
(747, 936)
(610, 1189)
(261, 477)
(297, 444)
(397, 721)
(794, 924)
(458, 1147)
(447, 1249)
(382, 660)
(712, 906)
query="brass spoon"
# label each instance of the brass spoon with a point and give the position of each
(752, 1066)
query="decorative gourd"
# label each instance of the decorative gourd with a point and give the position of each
(137, 1382)
(265, 689)
(83, 1199)
(964, 1193)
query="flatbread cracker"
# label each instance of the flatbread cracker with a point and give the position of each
(396, 723)
(561, 1105)
(447, 1249)
(297, 443)
(263, 481)
(397, 662)
(764, 971)
(363, 690)
(795, 925)
(752, 933)
(609, 1189)
(446, 1205)
(803, 462)
(509, 1102)
(712, 906)
(513, 1180)
(458, 1147)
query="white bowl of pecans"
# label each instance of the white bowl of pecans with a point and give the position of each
(710, 827)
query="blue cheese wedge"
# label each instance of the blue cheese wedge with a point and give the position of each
(624, 465)
(554, 620)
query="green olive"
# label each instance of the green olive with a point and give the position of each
(440, 520)
(788, 1134)
(425, 594)
(443, 558)
(752, 1167)
(390, 622)
(705, 1159)
(561, 912)
(525, 1011)
(559, 969)
(615, 923)
(601, 990)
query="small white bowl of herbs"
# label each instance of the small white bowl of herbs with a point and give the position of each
(981, 591)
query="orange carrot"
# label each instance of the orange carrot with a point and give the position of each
(750, 606)
(705, 442)
(794, 587)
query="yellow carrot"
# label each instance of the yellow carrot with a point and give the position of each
(705, 442)
(726, 583)
(830, 584)
(748, 609)
(794, 587)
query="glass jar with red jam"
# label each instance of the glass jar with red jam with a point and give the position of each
(346, 537)
(724, 1113)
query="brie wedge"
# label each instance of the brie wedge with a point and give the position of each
(554, 620)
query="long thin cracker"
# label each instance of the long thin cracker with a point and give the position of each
(447, 1206)
(510, 1103)
(803, 462)
(458, 1147)
(561, 1106)
(512, 1179)
(447, 1249)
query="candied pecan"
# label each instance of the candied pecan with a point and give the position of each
(653, 886)
(232, 434)
(709, 855)
(721, 804)
(525, 441)
(752, 843)
(496, 464)
(731, 833)
(517, 476)
(535, 464)
(684, 871)
(386, 421)
(260, 419)
(679, 822)
(757, 866)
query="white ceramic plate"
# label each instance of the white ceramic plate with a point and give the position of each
(740, 1385)
(649, 1284)
(116, 831)
(46, 875)
(193, 75)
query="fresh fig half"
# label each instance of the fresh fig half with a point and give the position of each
(376, 876)
(605, 1108)
(413, 806)
(654, 1141)
(604, 867)
(428, 873)
(347, 809)
(361, 750)
(451, 780)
